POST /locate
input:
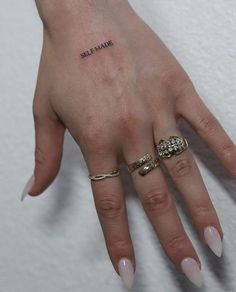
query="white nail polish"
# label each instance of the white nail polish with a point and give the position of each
(192, 271)
(126, 272)
(27, 187)
(213, 240)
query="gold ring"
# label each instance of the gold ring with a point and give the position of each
(172, 146)
(138, 163)
(149, 166)
(104, 175)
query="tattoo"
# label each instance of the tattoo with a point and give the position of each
(96, 49)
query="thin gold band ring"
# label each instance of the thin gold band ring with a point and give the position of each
(104, 175)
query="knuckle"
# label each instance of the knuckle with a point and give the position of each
(127, 120)
(40, 156)
(118, 245)
(207, 124)
(181, 167)
(95, 138)
(130, 124)
(202, 210)
(43, 158)
(156, 200)
(177, 81)
(109, 207)
(176, 244)
(229, 151)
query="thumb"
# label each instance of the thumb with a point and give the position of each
(49, 138)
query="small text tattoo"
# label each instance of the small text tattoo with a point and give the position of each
(97, 48)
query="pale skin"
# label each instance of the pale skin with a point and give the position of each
(118, 103)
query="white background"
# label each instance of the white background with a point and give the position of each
(54, 243)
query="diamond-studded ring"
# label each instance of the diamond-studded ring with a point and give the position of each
(172, 146)
(139, 162)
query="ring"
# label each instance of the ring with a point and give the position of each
(149, 166)
(138, 163)
(172, 146)
(104, 175)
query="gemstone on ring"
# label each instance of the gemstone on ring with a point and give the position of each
(173, 146)
(138, 163)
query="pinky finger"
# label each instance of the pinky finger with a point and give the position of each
(193, 109)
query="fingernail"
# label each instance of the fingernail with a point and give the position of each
(126, 272)
(213, 240)
(27, 187)
(192, 271)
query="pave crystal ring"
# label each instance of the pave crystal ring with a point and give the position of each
(138, 163)
(173, 146)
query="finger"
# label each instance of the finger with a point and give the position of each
(49, 136)
(111, 209)
(186, 176)
(209, 129)
(160, 208)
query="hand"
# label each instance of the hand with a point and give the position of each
(116, 103)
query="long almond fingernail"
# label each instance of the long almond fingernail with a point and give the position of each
(192, 271)
(213, 240)
(27, 187)
(126, 272)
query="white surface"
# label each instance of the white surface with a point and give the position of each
(54, 243)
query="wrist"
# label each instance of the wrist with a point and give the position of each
(58, 14)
